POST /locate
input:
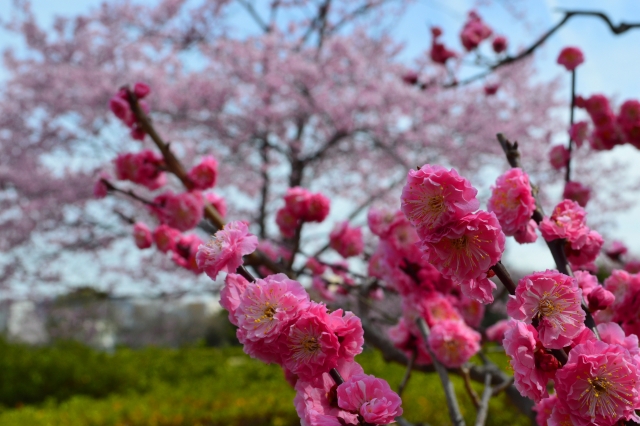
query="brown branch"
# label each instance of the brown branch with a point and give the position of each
(568, 14)
(264, 191)
(467, 385)
(483, 411)
(175, 166)
(256, 17)
(128, 193)
(407, 374)
(449, 391)
(567, 176)
(504, 276)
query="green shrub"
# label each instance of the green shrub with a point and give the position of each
(74, 385)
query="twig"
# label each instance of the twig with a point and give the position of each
(503, 386)
(568, 14)
(481, 418)
(175, 166)
(505, 277)
(567, 176)
(335, 375)
(449, 391)
(467, 385)
(407, 374)
(256, 17)
(296, 245)
(128, 192)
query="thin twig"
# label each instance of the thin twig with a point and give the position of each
(407, 374)
(467, 385)
(504, 276)
(568, 14)
(567, 176)
(481, 418)
(335, 375)
(449, 391)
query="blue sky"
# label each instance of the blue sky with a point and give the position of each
(610, 68)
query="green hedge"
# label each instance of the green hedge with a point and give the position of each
(68, 384)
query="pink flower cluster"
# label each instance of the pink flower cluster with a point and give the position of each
(513, 204)
(225, 250)
(609, 129)
(347, 241)
(625, 308)
(426, 293)
(204, 175)
(144, 168)
(180, 211)
(183, 248)
(301, 206)
(474, 31)
(439, 53)
(119, 105)
(278, 323)
(462, 243)
(568, 222)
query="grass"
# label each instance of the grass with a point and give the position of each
(72, 385)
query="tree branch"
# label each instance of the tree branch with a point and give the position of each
(481, 418)
(407, 374)
(254, 14)
(568, 14)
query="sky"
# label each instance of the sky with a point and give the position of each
(610, 67)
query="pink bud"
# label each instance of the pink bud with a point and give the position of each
(570, 57)
(137, 133)
(577, 192)
(142, 235)
(410, 78)
(436, 32)
(491, 89)
(545, 361)
(499, 44)
(600, 299)
(120, 108)
(141, 90)
(559, 157)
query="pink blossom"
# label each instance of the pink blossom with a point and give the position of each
(267, 352)
(137, 133)
(577, 192)
(180, 211)
(310, 347)
(586, 281)
(578, 132)
(269, 306)
(567, 221)
(544, 407)
(474, 32)
(315, 266)
(559, 157)
(553, 301)
(297, 201)
(521, 344)
(319, 207)
(472, 245)
(347, 241)
(512, 201)
(120, 108)
(408, 340)
(100, 189)
(495, 333)
(599, 383)
(616, 250)
(349, 330)
(600, 299)
(612, 333)
(480, 289)
(454, 342)
(316, 401)
(287, 222)
(141, 90)
(587, 253)
(165, 238)
(204, 175)
(371, 397)
(380, 221)
(218, 202)
(499, 44)
(527, 234)
(439, 53)
(472, 310)
(434, 196)
(185, 251)
(223, 253)
(433, 307)
(231, 294)
(491, 89)
(142, 235)
(144, 168)
(570, 57)
(410, 78)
